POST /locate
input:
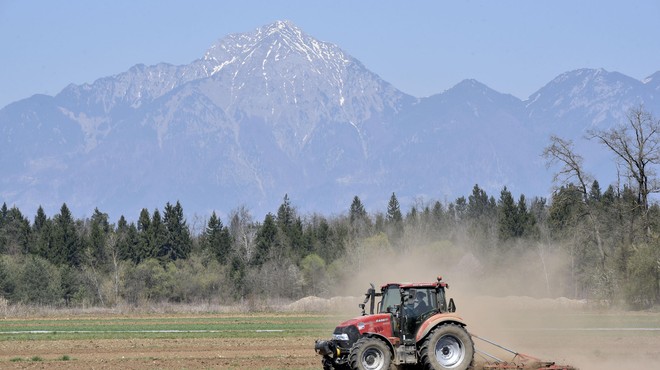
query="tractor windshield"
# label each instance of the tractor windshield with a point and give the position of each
(423, 301)
(391, 298)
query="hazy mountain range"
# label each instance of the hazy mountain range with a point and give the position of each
(275, 111)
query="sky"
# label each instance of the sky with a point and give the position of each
(421, 47)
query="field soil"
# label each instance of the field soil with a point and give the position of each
(195, 353)
(558, 330)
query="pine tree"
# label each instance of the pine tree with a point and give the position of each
(460, 209)
(66, 248)
(507, 215)
(291, 230)
(266, 240)
(481, 215)
(3, 213)
(594, 192)
(143, 250)
(157, 237)
(217, 240)
(478, 205)
(394, 220)
(525, 221)
(42, 237)
(285, 215)
(438, 215)
(128, 241)
(3, 222)
(14, 232)
(99, 231)
(357, 211)
(358, 219)
(178, 242)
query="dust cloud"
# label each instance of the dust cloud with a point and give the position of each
(516, 304)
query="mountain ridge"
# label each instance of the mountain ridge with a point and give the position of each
(275, 111)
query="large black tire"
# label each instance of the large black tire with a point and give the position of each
(449, 346)
(370, 354)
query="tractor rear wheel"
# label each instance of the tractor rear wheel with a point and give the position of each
(370, 354)
(449, 346)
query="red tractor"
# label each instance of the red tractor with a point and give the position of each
(412, 324)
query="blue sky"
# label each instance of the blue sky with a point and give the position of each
(421, 47)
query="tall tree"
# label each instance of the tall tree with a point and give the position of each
(99, 232)
(3, 213)
(637, 145)
(178, 242)
(42, 236)
(394, 220)
(358, 218)
(526, 222)
(478, 204)
(507, 215)
(266, 240)
(157, 237)
(481, 214)
(66, 248)
(460, 209)
(143, 248)
(14, 232)
(243, 234)
(285, 214)
(290, 229)
(561, 151)
(217, 240)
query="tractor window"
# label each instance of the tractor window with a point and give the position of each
(425, 300)
(442, 303)
(433, 299)
(391, 298)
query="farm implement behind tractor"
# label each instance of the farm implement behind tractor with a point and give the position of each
(413, 323)
(518, 361)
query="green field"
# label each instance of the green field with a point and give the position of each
(168, 326)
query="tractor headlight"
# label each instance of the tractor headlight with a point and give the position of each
(342, 336)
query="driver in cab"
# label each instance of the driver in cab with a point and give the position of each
(419, 304)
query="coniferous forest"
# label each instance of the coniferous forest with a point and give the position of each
(585, 242)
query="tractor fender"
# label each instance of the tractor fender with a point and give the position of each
(437, 320)
(383, 338)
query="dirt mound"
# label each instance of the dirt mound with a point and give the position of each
(316, 304)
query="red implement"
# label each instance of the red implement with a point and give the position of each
(519, 361)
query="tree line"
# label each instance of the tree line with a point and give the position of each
(606, 242)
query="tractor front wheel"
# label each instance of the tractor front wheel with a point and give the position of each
(370, 354)
(449, 346)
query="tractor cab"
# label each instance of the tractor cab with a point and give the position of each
(411, 304)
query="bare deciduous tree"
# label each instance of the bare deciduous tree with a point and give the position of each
(243, 232)
(561, 151)
(637, 145)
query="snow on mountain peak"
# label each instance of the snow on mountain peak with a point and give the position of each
(281, 36)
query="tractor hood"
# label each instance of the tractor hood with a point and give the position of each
(379, 323)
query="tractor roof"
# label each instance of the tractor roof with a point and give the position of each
(427, 285)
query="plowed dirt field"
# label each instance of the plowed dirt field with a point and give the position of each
(194, 353)
(582, 338)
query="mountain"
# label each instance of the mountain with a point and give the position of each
(275, 111)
